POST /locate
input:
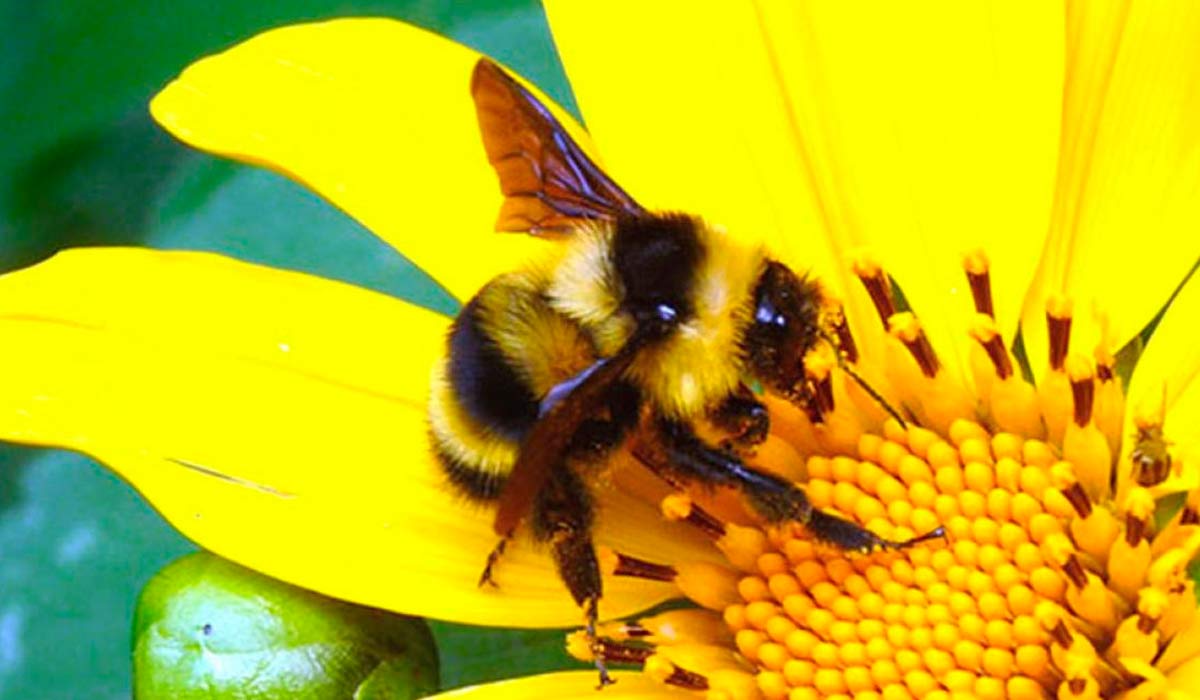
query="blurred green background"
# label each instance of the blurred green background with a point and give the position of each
(82, 164)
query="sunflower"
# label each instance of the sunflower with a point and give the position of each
(1003, 196)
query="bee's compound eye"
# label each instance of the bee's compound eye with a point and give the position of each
(659, 320)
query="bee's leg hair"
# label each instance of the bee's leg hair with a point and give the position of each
(843, 534)
(485, 579)
(562, 517)
(598, 436)
(744, 418)
(682, 454)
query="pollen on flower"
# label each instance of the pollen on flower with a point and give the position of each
(1053, 577)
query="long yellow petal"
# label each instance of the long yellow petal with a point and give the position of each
(373, 114)
(918, 130)
(1124, 231)
(278, 420)
(1167, 379)
(567, 685)
(1184, 679)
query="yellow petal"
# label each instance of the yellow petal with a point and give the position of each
(373, 114)
(920, 131)
(1185, 677)
(1168, 377)
(1127, 208)
(567, 685)
(279, 420)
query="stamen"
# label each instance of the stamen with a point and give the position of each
(976, 265)
(1052, 618)
(907, 329)
(845, 339)
(1061, 550)
(680, 507)
(1082, 388)
(1058, 322)
(1139, 507)
(584, 649)
(615, 563)
(984, 332)
(662, 670)
(1078, 499)
(625, 630)
(878, 287)
(819, 369)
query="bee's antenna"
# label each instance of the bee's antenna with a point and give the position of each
(858, 379)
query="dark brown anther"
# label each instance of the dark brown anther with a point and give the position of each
(906, 327)
(822, 392)
(687, 679)
(618, 653)
(1135, 530)
(1078, 499)
(680, 507)
(976, 265)
(1104, 372)
(1083, 392)
(999, 356)
(706, 522)
(1189, 516)
(807, 401)
(634, 630)
(878, 287)
(1061, 635)
(1146, 624)
(845, 339)
(1058, 323)
(1074, 571)
(626, 565)
(1077, 685)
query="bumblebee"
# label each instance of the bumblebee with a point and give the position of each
(644, 320)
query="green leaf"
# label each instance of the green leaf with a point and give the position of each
(77, 543)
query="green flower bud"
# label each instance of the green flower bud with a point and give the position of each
(208, 628)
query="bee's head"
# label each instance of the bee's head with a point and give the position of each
(784, 327)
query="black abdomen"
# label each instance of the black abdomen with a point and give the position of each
(486, 385)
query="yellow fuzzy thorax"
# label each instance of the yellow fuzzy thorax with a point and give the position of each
(702, 362)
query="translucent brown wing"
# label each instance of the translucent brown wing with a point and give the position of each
(549, 183)
(545, 446)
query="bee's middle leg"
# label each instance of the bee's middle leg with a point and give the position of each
(744, 418)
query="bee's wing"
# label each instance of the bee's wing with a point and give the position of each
(546, 443)
(549, 183)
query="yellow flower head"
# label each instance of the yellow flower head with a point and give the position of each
(955, 175)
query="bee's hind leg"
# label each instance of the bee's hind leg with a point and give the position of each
(562, 517)
(493, 558)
